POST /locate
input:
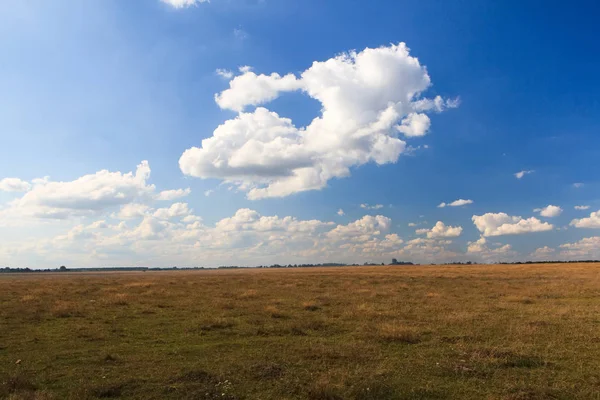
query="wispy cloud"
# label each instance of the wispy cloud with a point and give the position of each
(224, 73)
(521, 174)
(456, 203)
(183, 3)
(369, 207)
(240, 34)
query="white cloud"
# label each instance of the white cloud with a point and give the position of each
(133, 210)
(208, 192)
(412, 224)
(578, 185)
(169, 237)
(101, 224)
(478, 246)
(167, 195)
(549, 211)
(340, 212)
(89, 194)
(364, 98)
(581, 208)
(498, 224)
(456, 203)
(190, 219)
(371, 207)
(250, 89)
(176, 210)
(14, 185)
(224, 73)
(521, 174)
(183, 3)
(415, 125)
(593, 221)
(586, 248)
(362, 229)
(426, 250)
(490, 252)
(543, 253)
(440, 230)
(438, 104)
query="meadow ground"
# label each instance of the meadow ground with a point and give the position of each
(406, 332)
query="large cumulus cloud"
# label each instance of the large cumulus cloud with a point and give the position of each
(369, 99)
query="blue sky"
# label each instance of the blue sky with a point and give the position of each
(98, 86)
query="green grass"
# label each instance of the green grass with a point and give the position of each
(453, 332)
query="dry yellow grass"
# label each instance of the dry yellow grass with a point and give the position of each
(419, 332)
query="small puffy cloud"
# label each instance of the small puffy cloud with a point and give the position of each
(490, 251)
(441, 230)
(478, 246)
(543, 253)
(460, 202)
(549, 211)
(176, 210)
(208, 192)
(14, 185)
(250, 89)
(593, 221)
(167, 195)
(412, 224)
(456, 203)
(362, 229)
(340, 212)
(582, 208)
(183, 3)
(521, 174)
(415, 125)
(87, 195)
(366, 98)
(578, 185)
(498, 224)
(371, 207)
(224, 73)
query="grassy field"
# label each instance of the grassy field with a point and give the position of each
(419, 332)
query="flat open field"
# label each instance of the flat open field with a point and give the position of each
(406, 332)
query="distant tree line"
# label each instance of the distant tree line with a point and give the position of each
(396, 262)
(6, 270)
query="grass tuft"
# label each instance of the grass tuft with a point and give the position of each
(310, 306)
(391, 332)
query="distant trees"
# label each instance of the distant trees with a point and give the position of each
(396, 262)
(62, 268)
